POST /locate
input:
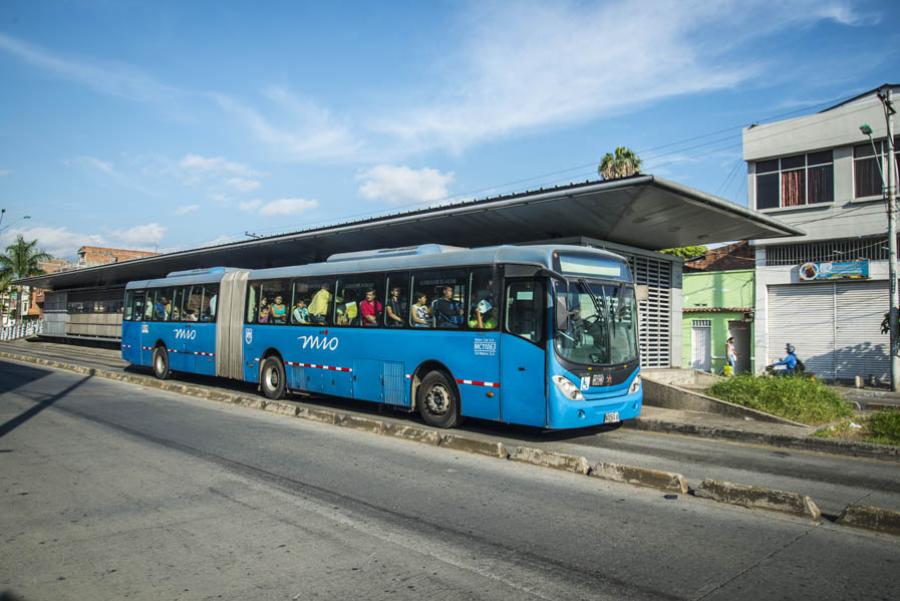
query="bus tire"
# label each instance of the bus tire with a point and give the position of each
(271, 378)
(161, 362)
(438, 400)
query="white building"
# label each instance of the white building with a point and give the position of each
(825, 292)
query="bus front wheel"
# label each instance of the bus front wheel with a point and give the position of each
(437, 400)
(161, 363)
(272, 378)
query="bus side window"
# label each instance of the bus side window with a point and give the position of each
(274, 302)
(483, 308)
(137, 307)
(148, 305)
(252, 296)
(525, 309)
(358, 301)
(446, 296)
(129, 305)
(210, 300)
(396, 302)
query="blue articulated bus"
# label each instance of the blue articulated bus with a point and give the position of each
(541, 336)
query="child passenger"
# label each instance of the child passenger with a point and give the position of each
(300, 314)
(419, 314)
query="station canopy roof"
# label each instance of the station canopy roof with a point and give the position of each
(641, 211)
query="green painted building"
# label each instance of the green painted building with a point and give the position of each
(718, 304)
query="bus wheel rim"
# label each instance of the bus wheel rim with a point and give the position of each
(159, 363)
(272, 378)
(437, 400)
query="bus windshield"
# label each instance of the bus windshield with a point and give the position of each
(601, 324)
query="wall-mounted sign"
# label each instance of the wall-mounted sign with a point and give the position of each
(838, 270)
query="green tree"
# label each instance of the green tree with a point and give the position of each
(22, 260)
(686, 252)
(623, 163)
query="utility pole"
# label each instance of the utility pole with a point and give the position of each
(886, 96)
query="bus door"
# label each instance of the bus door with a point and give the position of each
(523, 353)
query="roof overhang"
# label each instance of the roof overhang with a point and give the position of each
(643, 211)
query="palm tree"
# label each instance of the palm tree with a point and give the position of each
(22, 260)
(624, 163)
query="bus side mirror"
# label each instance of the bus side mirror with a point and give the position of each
(641, 292)
(562, 312)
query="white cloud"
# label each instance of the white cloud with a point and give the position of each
(4, 172)
(295, 127)
(108, 77)
(97, 164)
(198, 164)
(58, 241)
(398, 184)
(242, 184)
(186, 209)
(143, 236)
(281, 206)
(528, 66)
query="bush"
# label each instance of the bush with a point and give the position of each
(884, 426)
(796, 398)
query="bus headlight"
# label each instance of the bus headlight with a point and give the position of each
(635, 385)
(569, 390)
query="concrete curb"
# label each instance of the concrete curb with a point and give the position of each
(759, 498)
(805, 443)
(557, 461)
(641, 476)
(871, 518)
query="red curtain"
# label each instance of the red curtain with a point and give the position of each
(792, 189)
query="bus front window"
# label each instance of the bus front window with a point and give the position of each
(601, 325)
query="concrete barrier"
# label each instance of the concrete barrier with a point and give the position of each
(871, 518)
(473, 445)
(366, 424)
(551, 459)
(758, 497)
(282, 408)
(640, 476)
(415, 434)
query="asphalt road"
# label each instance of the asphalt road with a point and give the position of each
(833, 481)
(114, 491)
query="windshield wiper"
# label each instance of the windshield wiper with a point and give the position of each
(598, 306)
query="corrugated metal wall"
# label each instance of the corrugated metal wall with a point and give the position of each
(835, 326)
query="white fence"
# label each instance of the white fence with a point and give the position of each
(22, 330)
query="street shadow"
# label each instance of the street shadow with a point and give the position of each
(34, 410)
(15, 375)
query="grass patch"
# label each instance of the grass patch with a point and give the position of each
(882, 427)
(799, 399)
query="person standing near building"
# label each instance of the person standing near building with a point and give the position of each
(730, 356)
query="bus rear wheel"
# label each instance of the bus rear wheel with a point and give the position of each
(161, 363)
(438, 401)
(271, 378)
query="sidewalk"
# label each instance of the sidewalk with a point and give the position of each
(653, 419)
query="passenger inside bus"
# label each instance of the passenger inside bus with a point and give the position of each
(263, 314)
(300, 314)
(483, 316)
(190, 315)
(448, 312)
(279, 311)
(419, 314)
(318, 307)
(370, 310)
(394, 309)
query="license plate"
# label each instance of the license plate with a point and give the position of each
(611, 418)
(598, 380)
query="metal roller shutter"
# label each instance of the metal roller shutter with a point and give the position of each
(804, 316)
(860, 348)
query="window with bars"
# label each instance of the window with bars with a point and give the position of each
(795, 181)
(851, 249)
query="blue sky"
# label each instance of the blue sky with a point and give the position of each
(167, 125)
